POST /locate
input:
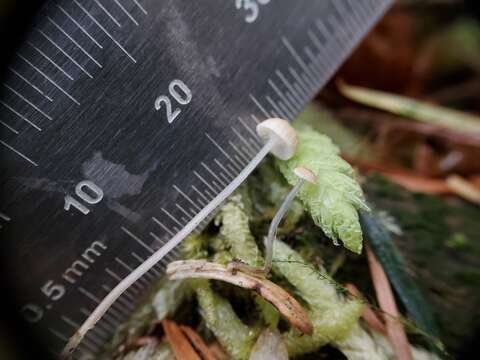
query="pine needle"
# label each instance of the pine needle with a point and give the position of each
(385, 298)
(400, 105)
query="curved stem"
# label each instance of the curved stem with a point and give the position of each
(272, 231)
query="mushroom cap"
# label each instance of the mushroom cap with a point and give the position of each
(282, 134)
(305, 174)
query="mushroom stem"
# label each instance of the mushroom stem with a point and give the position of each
(305, 175)
(272, 230)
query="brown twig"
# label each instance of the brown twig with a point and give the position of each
(286, 304)
(179, 343)
(397, 123)
(464, 188)
(217, 351)
(386, 300)
(197, 342)
(368, 314)
(403, 177)
(420, 184)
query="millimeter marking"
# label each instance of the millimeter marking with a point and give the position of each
(50, 80)
(28, 101)
(200, 177)
(213, 174)
(9, 127)
(108, 13)
(105, 31)
(289, 86)
(65, 53)
(126, 12)
(291, 107)
(171, 217)
(21, 116)
(247, 144)
(237, 167)
(189, 216)
(137, 239)
(220, 165)
(257, 103)
(75, 42)
(125, 265)
(18, 153)
(253, 133)
(31, 84)
(203, 201)
(300, 61)
(140, 7)
(186, 197)
(82, 29)
(162, 226)
(58, 67)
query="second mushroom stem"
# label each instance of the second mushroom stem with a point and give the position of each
(272, 230)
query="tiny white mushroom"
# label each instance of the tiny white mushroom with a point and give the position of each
(283, 141)
(305, 174)
(282, 135)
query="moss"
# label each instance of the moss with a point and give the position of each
(334, 199)
(236, 337)
(458, 241)
(332, 317)
(235, 231)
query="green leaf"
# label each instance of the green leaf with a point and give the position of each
(394, 264)
(335, 198)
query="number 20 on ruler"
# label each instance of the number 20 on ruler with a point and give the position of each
(180, 93)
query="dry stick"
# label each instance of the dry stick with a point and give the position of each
(464, 188)
(217, 351)
(403, 177)
(378, 119)
(386, 300)
(368, 314)
(286, 304)
(197, 342)
(179, 343)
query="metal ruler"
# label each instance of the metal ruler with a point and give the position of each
(122, 119)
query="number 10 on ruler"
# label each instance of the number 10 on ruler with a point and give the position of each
(88, 194)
